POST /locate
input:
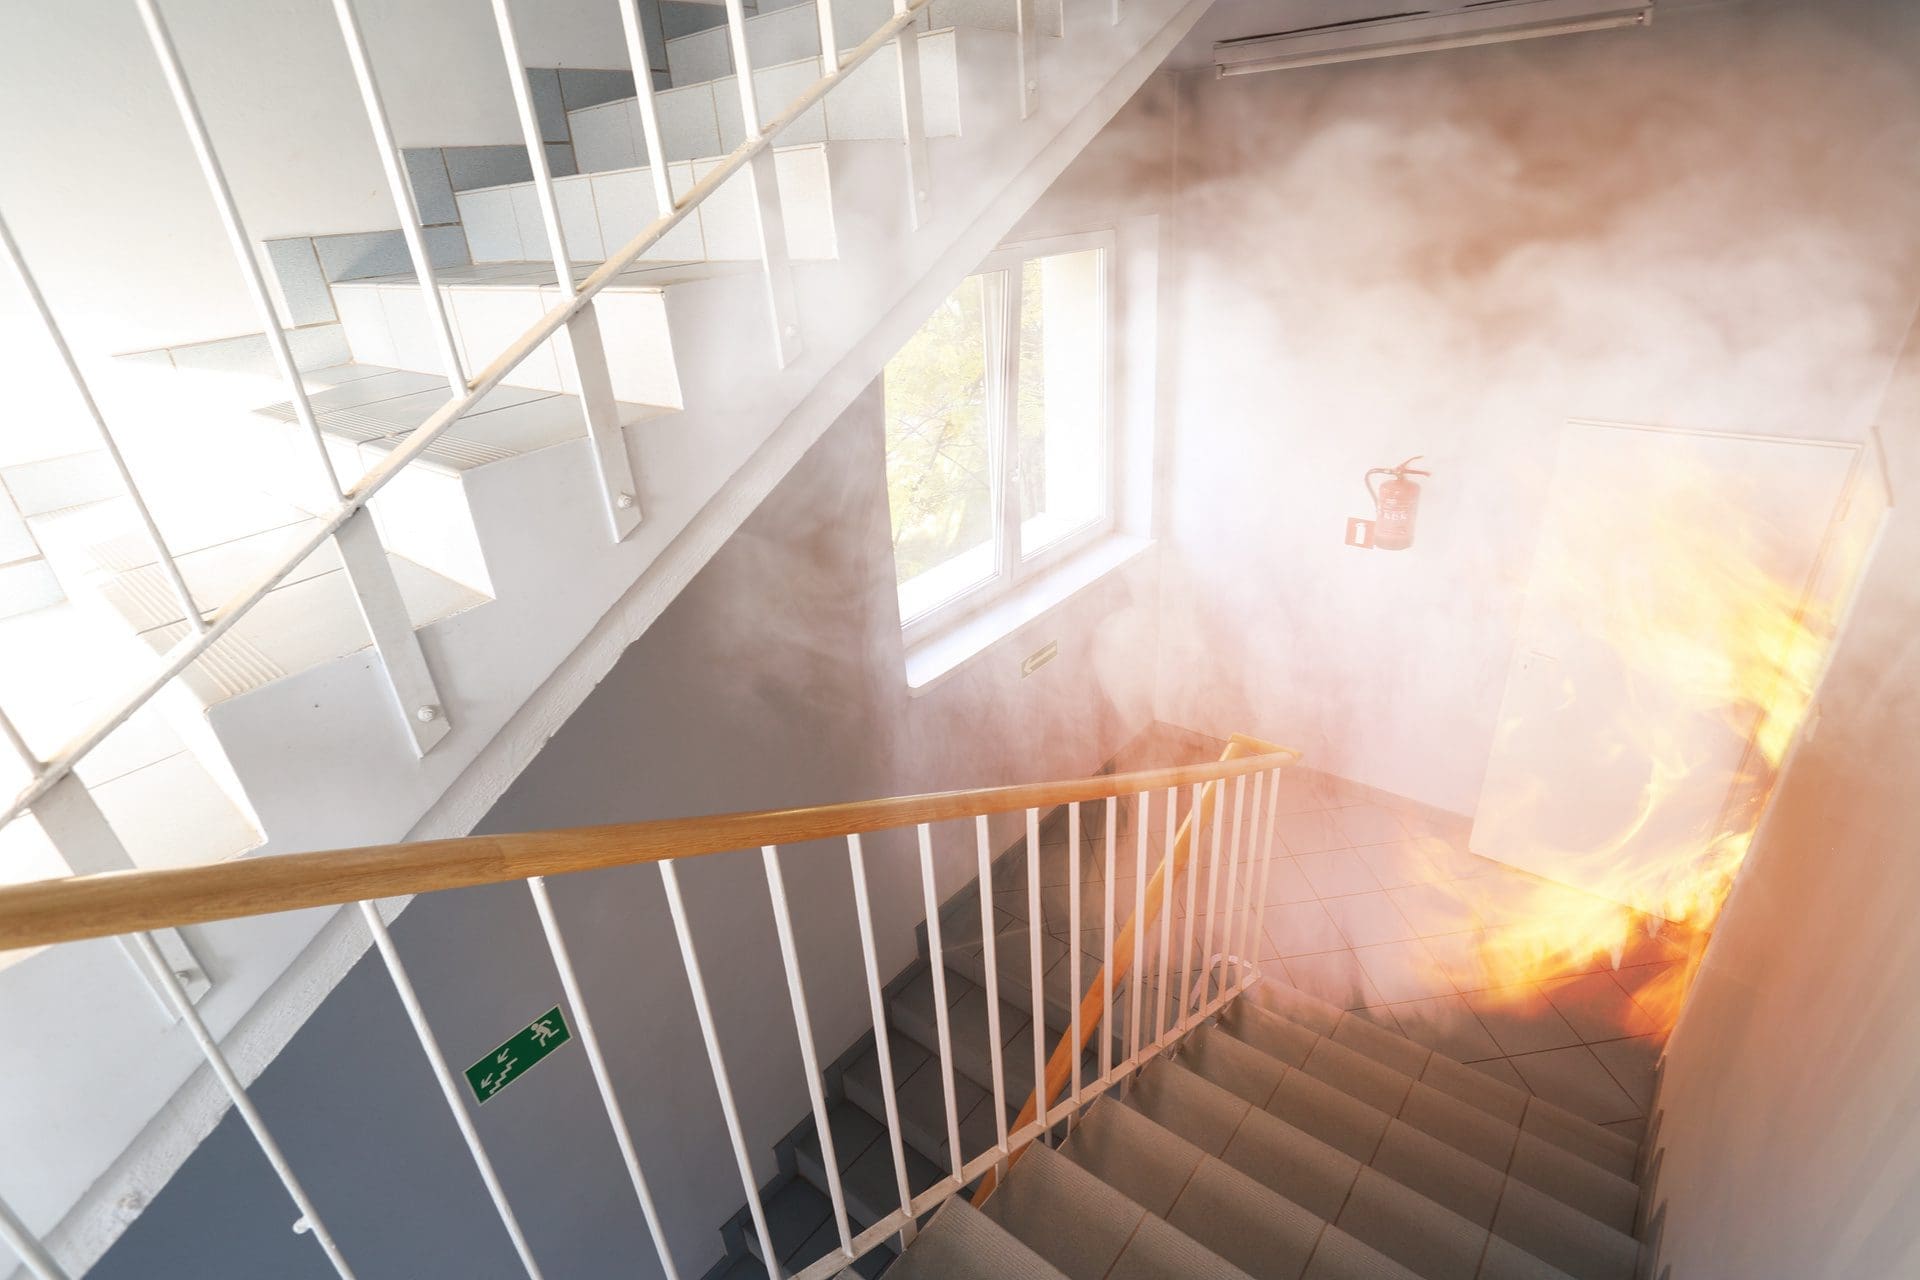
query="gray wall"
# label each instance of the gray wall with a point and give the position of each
(776, 679)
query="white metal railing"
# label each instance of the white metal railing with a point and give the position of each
(1235, 822)
(72, 823)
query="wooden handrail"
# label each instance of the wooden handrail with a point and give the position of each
(1240, 748)
(44, 912)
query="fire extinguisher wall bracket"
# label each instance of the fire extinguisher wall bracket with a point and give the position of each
(1396, 501)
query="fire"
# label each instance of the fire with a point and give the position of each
(1718, 652)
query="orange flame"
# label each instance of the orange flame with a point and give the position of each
(1704, 634)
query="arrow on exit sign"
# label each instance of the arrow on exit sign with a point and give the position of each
(523, 1049)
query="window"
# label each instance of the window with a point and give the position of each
(999, 435)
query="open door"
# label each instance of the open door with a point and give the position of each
(1681, 607)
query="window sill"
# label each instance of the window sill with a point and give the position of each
(931, 661)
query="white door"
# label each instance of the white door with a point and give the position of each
(1645, 705)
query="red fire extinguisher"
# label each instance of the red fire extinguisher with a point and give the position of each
(1395, 502)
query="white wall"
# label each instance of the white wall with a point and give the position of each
(101, 187)
(1704, 224)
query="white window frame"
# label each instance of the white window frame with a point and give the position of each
(1013, 569)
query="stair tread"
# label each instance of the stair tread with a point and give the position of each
(644, 276)
(961, 1243)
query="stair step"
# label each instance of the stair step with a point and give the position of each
(794, 32)
(601, 211)
(961, 1243)
(1417, 1200)
(866, 1162)
(1336, 1056)
(1428, 1133)
(1087, 1230)
(490, 305)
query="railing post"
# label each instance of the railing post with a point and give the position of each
(369, 576)
(1195, 819)
(449, 1088)
(1027, 63)
(809, 1054)
(937, 963)
(1244, 868)
(1166, 916)
(882, 1045)
(775, 261)
(649, 109)
(309, 1219)
(1139, 970)
(989, 936)
(1074, 944)
(1266, 868)
(1106, 944)
(584, 346)
(1036, 931)
(175, 581)
(913, 115)
(403, 199)
(32, 1254)
(602, 1077)
(1230, 866)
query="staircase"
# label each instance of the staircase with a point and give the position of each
(287, 729)
(1283, 1138)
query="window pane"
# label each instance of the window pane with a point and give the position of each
(939, 484)
(1062, 435)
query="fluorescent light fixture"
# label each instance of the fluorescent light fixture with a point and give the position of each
(1426, 31)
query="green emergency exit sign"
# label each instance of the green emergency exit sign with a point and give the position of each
(524, 1048)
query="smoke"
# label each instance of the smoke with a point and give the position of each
(1704, 224)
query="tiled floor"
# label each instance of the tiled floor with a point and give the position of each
(1374, 903)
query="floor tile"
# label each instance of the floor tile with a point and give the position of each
(1452, 857)
(1336, 872)
(1369, 918)
(1595, 1006)
(1433, 909)
(1636, 1129)
(1446, 1023)
(1650, 985)
(1404, 971)
(1573, 1078)
(1462, 958)
(1285, 883)
(1367, 824)
(1309, 831)
(1521, 1019)
(1335, 977)
(1381, 1015)
(1398, 863)
(1300, 928)
(1631, 1062)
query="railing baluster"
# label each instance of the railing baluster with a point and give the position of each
(1027, 63)
(30, 1251)
(649, 109)
(175, 581)
(602, 1077)
(1194, 826)
(1140, 926)
(775, 261)
(404, 202)
(882, 1045)
(1244, 874)
(809, 1054)
(371, 577)
(989, 936)
(1035, 932)
(1116, 12)
(309, 1220)
(937, 962)
(913, 117)
(584, 346)
(1172, 883)
(1106, 952)
(829, 37)
(703, 1010)
(1232, 867)
(1259, 943)
(1074, 872)
(449, 1087)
